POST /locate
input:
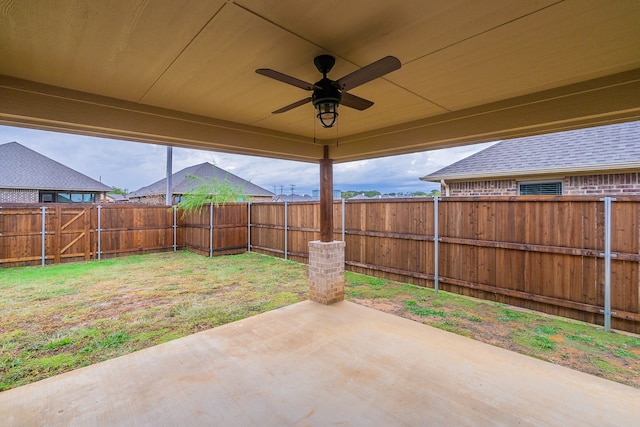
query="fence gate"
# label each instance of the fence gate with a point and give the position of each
(71, 233)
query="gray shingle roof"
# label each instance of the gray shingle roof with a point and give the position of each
(181, 184)
(611, 147)
(23, 168)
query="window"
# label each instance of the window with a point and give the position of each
(46, 197)
(544, 188)
(71, 197)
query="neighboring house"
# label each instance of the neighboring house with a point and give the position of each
(29, 177)
(360, 197)
(117, 198)
(293, 198)
(155, 194)
(593, 161)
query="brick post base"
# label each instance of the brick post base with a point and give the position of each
(326, 272)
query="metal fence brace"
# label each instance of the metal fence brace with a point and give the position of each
(436, 240)
(99, 233)
(210, 230)
(44, 232)
(607, 263)
(286, 229)
(249, 227)
(343, 219)
(175, 228)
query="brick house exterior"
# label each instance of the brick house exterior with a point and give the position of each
(594, 161)
(29, 177)
(17, 195)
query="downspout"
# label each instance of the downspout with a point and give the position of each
(444, 186)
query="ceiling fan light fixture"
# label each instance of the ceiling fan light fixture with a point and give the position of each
(327, 111)
(327, 93)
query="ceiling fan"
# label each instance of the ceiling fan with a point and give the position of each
(327, 93)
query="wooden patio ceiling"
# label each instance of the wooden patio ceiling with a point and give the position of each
(182, 73)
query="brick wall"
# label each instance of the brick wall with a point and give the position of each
(326, 271)
(605, 184)
(611, 184)
(10, 195)
(149, 200)
(502, 187)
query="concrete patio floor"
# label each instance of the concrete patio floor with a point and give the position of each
(314, 365)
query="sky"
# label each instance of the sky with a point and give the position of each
(132, 165)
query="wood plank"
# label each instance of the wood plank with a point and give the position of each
(57, 229)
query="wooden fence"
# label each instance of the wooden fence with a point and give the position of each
(215, 231)
(55, 233)
(545, 254)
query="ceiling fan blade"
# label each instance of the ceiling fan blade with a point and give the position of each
(368, 73)
(355, 101)
(285, 78)
(292, 106)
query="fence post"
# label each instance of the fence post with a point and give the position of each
(436, 239)
(607, 263)
(175, 227)
(210, 230)
(249, 227)
(44, 212)
(99, 232)
(286, 235)
(343, 220)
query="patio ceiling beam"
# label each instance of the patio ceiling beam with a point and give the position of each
(607, 100)
(38, 106)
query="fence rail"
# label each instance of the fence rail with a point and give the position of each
(546, 254)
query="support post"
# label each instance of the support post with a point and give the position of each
(607, 263)
(169, 194)
(326, 257)
(326, 272)
(326, 197)
(44, 232)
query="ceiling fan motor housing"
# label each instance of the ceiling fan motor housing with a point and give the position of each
(326, 92)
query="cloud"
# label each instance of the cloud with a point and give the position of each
(134, 165)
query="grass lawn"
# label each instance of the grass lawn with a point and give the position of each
(62, 317)
(65, 316)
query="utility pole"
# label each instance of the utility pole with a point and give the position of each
(169, 174)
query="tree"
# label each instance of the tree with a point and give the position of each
(211, 190)
(116, 190)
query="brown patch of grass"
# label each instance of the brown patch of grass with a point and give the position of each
(576, 345)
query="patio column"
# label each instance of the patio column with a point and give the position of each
(326, 257)
(326, 197)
